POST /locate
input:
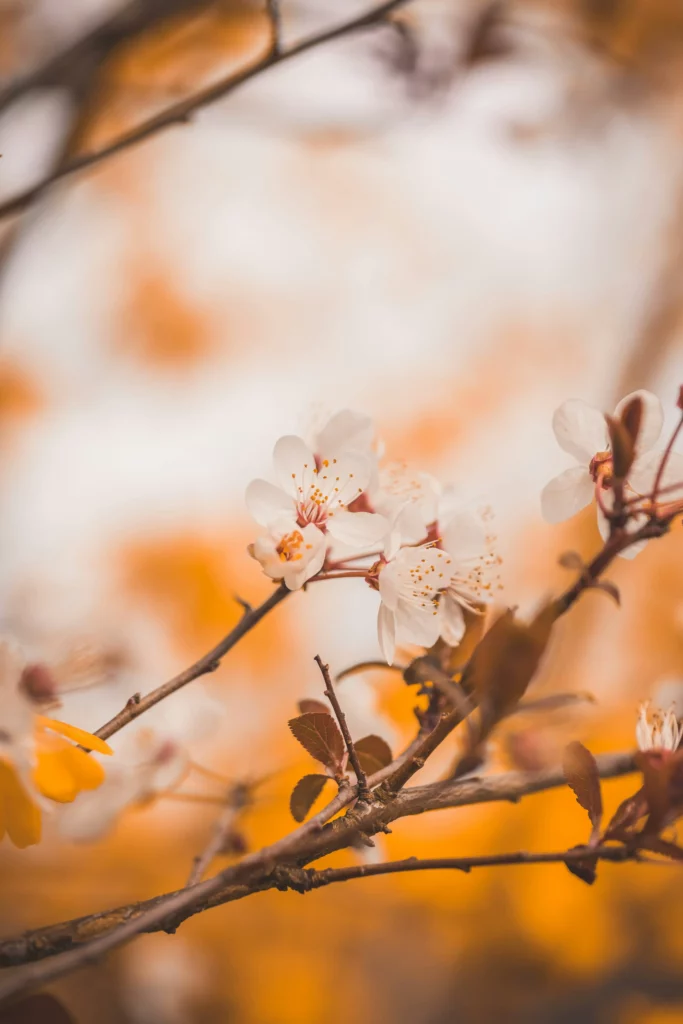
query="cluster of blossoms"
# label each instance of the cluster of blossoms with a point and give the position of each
(336, 505)
(582, 431)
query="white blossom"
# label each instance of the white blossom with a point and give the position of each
(315, 490)
(657, 730)
(410, 586)
(581, 431)
(290, 553)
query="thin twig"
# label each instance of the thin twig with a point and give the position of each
(206, 664)
(665, 458)
(275, 18)
(181, 113)
(363, 790)
(326, 876)
(238, 797)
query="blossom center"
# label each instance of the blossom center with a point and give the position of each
(290, 547)
(600, 467)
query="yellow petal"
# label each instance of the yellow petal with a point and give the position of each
(86, 739)
(85, 770)
(20, 816)
(53, 777)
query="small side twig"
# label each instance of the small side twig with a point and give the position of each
(238, 797)
(363, 789)
(275, 18)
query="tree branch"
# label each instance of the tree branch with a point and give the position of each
(90, 937)
(136, 706)
(181, 112)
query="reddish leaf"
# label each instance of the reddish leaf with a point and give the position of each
(305, 794)
(661, 846)
(308, 706)
(607, 588)
(585, 868)
(572, 560)
(319, 735)
(504, 663)
(39, 1009)
(632, 417)
(656, 769)
(626, 817)
(622, 445)
(581, 773)
(374, 753)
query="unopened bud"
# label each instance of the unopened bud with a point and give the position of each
(38, 684)
(679, 403)
(622, 445)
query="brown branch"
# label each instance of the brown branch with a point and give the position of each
(363, 791)
(318, 879)
(208, 663)
(79, 61)
(181, 112)
(257, 873)
(238, 798)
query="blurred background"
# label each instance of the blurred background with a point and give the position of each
(451, 223)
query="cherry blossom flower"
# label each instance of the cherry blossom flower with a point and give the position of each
(314, 490)
(290, 553)
(581, 431)
(475, 567)
(658, 730)
(408, 498)
(410, 585)
(40, 758)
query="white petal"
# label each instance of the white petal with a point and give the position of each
(652, 421)
(294, 464)
(347, 431)
(566, 495)
(314, 550)
(345, 478)
(452, 620)
(644, 472)
(580, 430)
(389, 585)
(416, 624)
(464, 536)
(386, 633)
(360, 530)
(266, 502)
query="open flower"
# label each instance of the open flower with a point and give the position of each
(657, 730)
(409, 499)
(40, 757)
(410, 585)
(581, 431)
(290, 553)
(474, 570)
(315, 490)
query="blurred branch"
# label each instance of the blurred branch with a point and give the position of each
(305, 844)
(238, 798)
(181, 112)
(136, 706)
(74, 66)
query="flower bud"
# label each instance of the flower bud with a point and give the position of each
(38, 683)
